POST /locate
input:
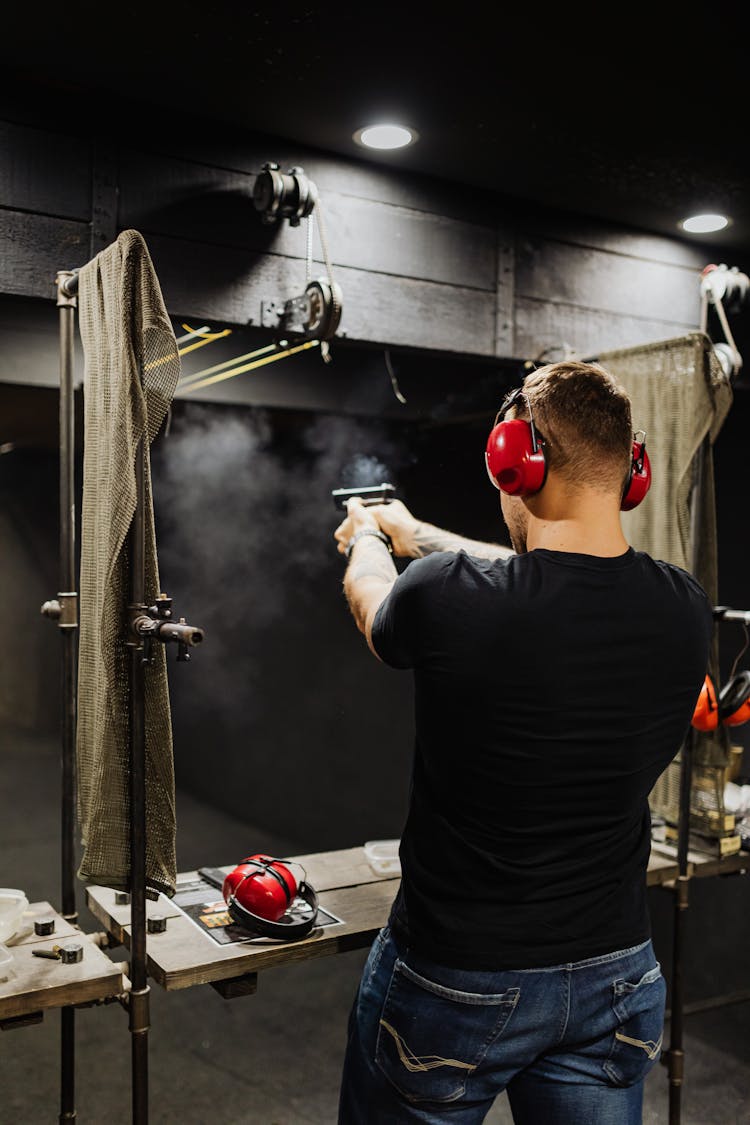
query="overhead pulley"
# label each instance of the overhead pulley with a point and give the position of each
(316, 313)
(284, 195)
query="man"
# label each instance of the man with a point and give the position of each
(553, 686)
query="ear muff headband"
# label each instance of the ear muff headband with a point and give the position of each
(263, 927)
(734, 700)
(290, 931)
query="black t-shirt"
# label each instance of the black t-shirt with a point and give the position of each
(551, 691)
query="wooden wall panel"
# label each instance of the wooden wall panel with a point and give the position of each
(45, 172)
(560, 273)
(226, 285)
(408, 243)
(34, 248)
(189, 200)
(579, 231)
(382, 180)
(423, 263)
(505, 284)
(546, 324)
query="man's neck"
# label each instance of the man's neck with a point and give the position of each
(588, 526)
(576, 536)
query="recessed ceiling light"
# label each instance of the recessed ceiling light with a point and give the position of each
(704, 224)
(385, 136)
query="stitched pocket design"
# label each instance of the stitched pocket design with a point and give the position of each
(637, 1041)
(432, 1039)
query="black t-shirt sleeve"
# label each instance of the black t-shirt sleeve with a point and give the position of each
(397, 633)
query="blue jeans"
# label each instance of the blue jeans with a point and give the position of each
(571, 1044)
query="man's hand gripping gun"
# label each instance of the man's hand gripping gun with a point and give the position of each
(369, 495)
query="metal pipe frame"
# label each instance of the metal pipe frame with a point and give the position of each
(66, 615)
(64, 611)
(139, 994)
(676, 1053)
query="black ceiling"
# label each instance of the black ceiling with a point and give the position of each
(607, 111)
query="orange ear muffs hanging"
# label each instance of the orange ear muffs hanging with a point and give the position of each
(706, 712)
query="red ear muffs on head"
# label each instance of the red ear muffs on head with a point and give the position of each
(516, 462)
(515, 452)
(515, 458)
(639, 480)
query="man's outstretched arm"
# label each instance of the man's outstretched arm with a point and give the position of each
(371, 571)
(413, 538)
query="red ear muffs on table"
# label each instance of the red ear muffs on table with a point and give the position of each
(516, 463)
(259, 892)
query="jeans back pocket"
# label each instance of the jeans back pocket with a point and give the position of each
(637, 1041)
(432, 1039)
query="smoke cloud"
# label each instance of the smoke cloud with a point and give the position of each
(245, 522)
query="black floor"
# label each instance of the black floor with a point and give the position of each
(268, 1059)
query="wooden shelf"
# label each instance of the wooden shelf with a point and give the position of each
(37, 984)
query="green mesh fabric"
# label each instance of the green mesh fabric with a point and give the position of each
(680, 396)
(131, 371)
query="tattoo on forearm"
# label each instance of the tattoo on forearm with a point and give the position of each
(429, 539)
(371, 560)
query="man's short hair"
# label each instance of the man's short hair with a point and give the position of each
(583, 414)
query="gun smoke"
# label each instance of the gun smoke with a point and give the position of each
(245, 522)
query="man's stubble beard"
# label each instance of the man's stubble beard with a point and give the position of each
(516, 519)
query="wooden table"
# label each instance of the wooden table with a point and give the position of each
(662, 864)
(183, 955)
(37, 984)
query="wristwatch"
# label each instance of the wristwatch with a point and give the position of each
(368, 531)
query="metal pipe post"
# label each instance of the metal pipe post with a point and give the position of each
(68, 628)
(676, 1056)
(676, 1053)
(139, 994)
(67, 287)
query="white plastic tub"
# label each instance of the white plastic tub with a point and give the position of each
(382, 855)
(6, 958)
(13, 903)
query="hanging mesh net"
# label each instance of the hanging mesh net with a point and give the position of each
(681, 396)
(131, 371)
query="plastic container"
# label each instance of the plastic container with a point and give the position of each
(382, 855)
(6, 958)
(13, 903)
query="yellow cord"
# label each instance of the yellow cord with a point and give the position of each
(249, 367)
(205, 338)
(198, 376)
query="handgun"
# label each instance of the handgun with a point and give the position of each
(368, 494)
